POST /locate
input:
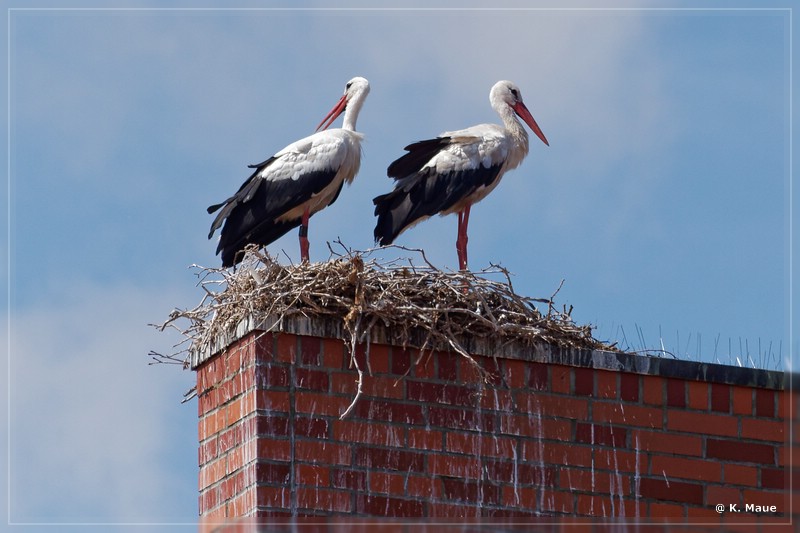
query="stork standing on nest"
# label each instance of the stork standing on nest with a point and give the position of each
(452, 172)
(300, 180)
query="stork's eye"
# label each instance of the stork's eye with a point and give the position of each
(347, 87)
(515, 93)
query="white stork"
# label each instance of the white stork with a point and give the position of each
(289, 187)
(452, 172)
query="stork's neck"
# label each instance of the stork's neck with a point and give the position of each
(352, 110)
(518, 136)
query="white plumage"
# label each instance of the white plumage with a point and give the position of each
(452, 172)
(298, 181)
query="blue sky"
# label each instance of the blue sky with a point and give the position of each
(663, 200)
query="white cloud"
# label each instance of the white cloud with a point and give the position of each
(97, 435)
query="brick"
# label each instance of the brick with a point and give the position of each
(733, 450)
(426, 439)
(734, 474)
(743, 401)
(239, 457)
(375, 433)
(653, 390)
(447, 366)
(450, 510)
(627, 415)
(533, 426)
(773, 478)
(333, 354)
(272, 401)
(207, 451)
(310, 351)
(422, 486)
(389, 459)
(436, 393)
(514, 373)
(311, 427)
(324, 499)
(629, 387)
(273, 473)
(602, 435)
(268, 425)
(587, 480)
(349, 479)
(497, 400)
(593, 505)
(584, 381)
(378, 359)
(653, 441)
(240, 408)
(209, 499)
(682, 468)
(286, 348)
(271, 376)
(607, 384)
(676, 393)
(764, 498)
(698, 395)
(753, 428)
(384, 387)
(376, 362)
(530, 474)
(560, 379)
(551, 405)
(267, 496)
(468, 419)
(556, 453)
(672, 491)
(702, 423)
(617, 460)
(344, 383)
(317, 380)
(230, 438)
(479, 445)
(211, 473)
(537, 377)
(784, 403)
(322, 452)
(387, 483)
(389, 411)
(721, 398)
(320, 404)
(274, 449)
(386, 506)
(765, 403)
(313, 475)
(470, 491)
(447, 465)
(400, 361)
(207, 401)
(496, 513)
(263, 346)
(558, 501)
(665, 510)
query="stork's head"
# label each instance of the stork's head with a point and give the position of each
(507, 93)
(355, 92)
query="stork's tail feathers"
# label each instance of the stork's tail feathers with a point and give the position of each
(392, 210)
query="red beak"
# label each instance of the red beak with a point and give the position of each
(334, 113)
(520, 109)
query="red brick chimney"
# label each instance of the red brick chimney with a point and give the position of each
(556, 432)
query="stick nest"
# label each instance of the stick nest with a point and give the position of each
(419, 304)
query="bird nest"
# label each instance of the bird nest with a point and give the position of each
(418, 304)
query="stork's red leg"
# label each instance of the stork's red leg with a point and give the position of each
(461, 241)
(304, 237)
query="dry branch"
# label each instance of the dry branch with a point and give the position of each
(405, 296)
